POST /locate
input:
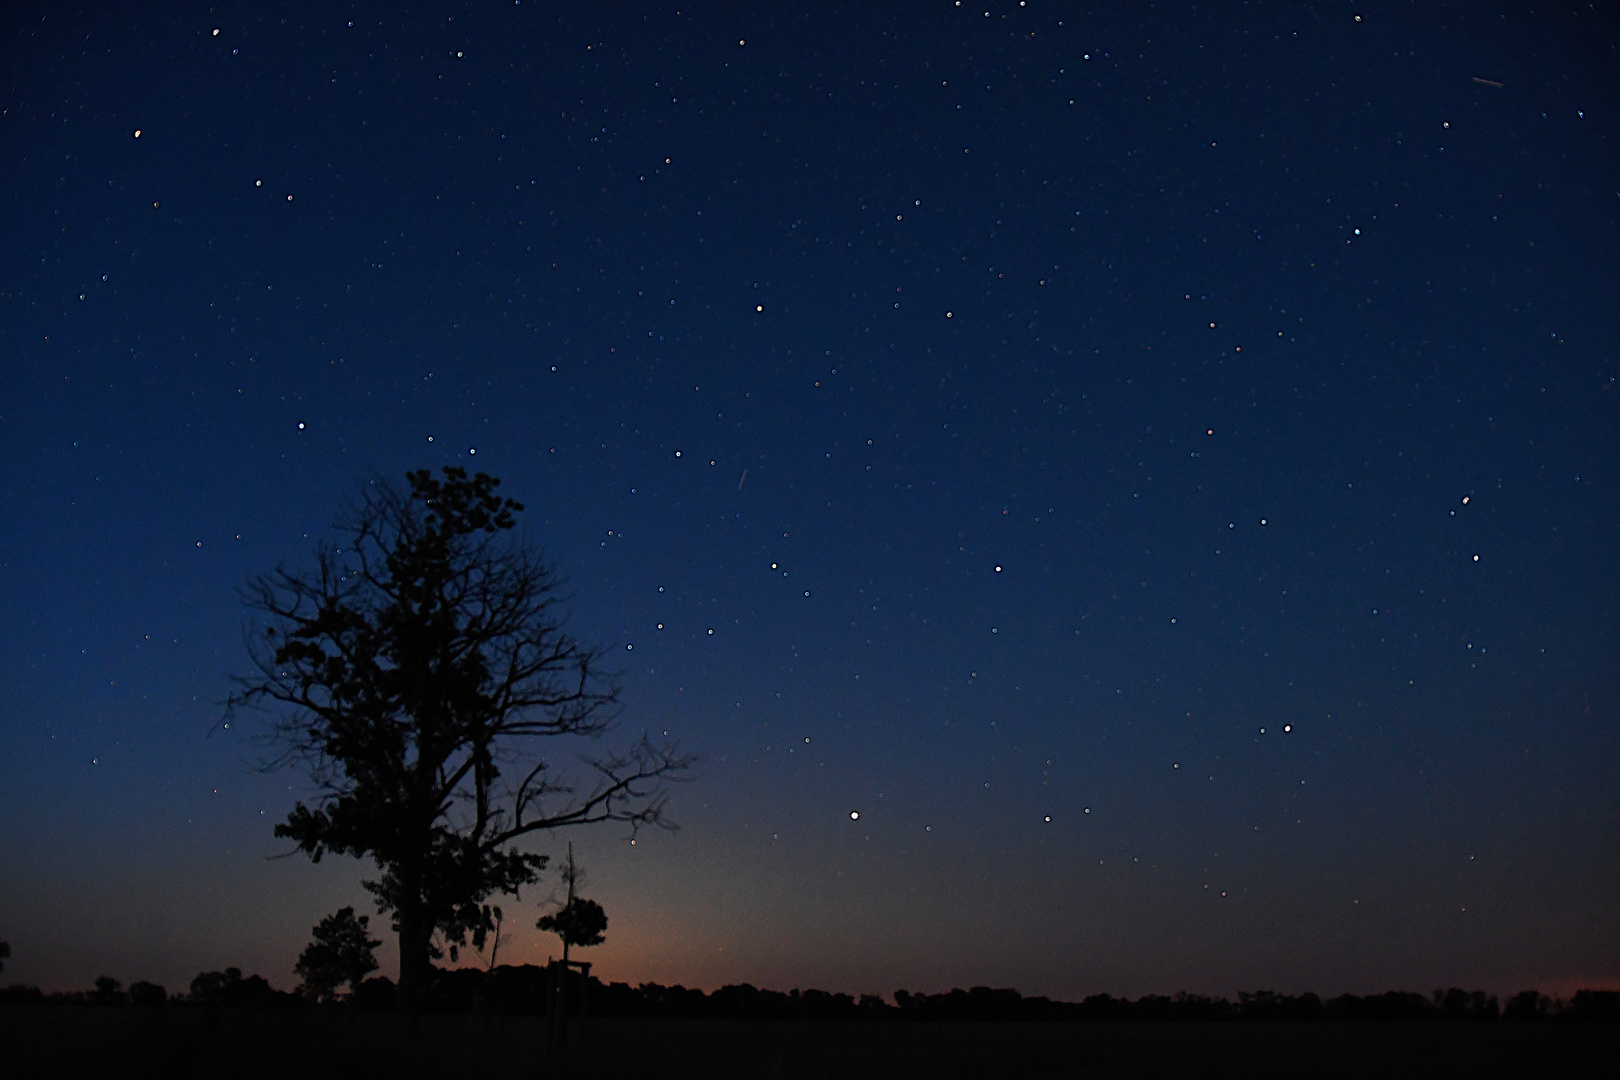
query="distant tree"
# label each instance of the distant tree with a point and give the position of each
(228, 988)
(17, 995)
(212, 986)
(1595, 1005)
(1528, 1005)
(405, 673)
(579, 921)
(109, 991)
(873, 1006)
(339, 954)
(5, 954)
(1459, 1004)
(147, 995)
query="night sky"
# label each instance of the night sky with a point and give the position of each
(1156, 468)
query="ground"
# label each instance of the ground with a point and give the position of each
(184, 1042)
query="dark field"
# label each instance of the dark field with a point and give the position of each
(187, 1042)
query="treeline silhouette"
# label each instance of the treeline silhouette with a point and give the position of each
(520, 990)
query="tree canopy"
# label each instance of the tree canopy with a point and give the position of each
(409, 674)
(578, 922)
(340, 951)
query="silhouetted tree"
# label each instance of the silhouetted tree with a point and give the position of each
(405, 674)
(1459, 1004)
(579, 921)
(147, 995)
(1528, 1005)
(340, 953)
(872, 1006)
(109, 991)
(5, 954)
(20, 995)
(1600, 1006)
(211, 986)
(230, 989)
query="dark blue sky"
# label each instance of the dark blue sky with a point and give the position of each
(1157, 469)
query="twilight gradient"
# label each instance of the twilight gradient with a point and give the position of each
(1120, 501)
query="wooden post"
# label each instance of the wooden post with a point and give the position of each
(559, 975)
(584, 996)
(554, 1009)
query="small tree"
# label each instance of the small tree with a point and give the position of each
(579, 921)
(109, 991)
(340, 953)
(414, 665)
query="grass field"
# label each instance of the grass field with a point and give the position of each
(182, 1042)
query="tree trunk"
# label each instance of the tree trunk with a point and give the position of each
(414, 937)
